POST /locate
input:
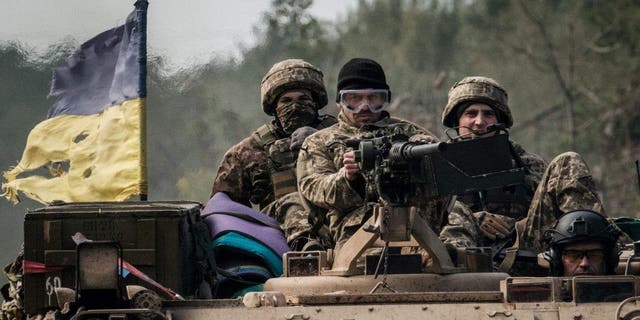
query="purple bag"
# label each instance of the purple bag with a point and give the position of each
(224, 215)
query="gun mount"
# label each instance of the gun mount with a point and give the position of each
(401, 173)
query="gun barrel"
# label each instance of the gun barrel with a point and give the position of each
(409, 151)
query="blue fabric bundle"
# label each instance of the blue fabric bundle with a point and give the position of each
(246, 243)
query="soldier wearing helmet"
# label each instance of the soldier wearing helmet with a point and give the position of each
(329, 176)
(490, 218)
(582, 242)
(478, 93)
(260, 169)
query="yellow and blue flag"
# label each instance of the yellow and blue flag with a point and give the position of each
(93, 140)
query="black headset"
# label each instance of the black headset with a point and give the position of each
(581, 225)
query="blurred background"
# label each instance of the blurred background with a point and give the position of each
(571, 69)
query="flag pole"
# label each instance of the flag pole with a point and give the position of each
(141, 12)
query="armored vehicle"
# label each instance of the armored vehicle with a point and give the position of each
(182, 260)
(85, 281)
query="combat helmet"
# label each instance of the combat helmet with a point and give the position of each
(477, 89)
(291, 74)
(581, 225)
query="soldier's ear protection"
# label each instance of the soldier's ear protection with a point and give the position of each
(550, 255)
(555, 262)
(553, 255)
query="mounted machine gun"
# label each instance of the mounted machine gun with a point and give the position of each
(401, 173)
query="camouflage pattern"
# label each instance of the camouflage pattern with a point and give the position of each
(296, 114)
(566, 185)
(244, 174)
(512, 203)
(477, 89)
(12, 308)
(248, 169)
(462, 229)
(291, 214)
(291, 74)
(322, 181)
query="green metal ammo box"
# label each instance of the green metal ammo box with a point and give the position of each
(155, 238)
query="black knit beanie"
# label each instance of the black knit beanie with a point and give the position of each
(361, 73)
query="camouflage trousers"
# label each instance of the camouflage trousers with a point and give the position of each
(343, 226)
(12, 308)
(566, 185)
(291, 214)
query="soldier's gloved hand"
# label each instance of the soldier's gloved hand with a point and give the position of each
(422, 138)
(493, 226)
(298, 136)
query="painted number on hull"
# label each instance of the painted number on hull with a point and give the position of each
(51, 284)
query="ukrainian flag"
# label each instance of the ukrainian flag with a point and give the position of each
(92, 141)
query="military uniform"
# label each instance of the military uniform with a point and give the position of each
(566, 185)
(463, 229)
(260, 169)
(548, 192)
(322, 180)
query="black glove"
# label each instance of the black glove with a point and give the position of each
(298, 136)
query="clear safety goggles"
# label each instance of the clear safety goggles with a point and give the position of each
(354, 101)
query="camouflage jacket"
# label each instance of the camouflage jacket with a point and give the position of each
(247, 169)
(322, 181)
(463, 229)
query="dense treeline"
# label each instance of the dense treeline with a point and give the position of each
(571, 69)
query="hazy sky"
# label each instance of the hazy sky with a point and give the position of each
(186, 31)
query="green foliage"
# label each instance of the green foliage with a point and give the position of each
(288, 31)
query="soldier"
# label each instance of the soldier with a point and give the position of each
(328, 174)
(582, 242)
(260, 169)
(549, 191)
